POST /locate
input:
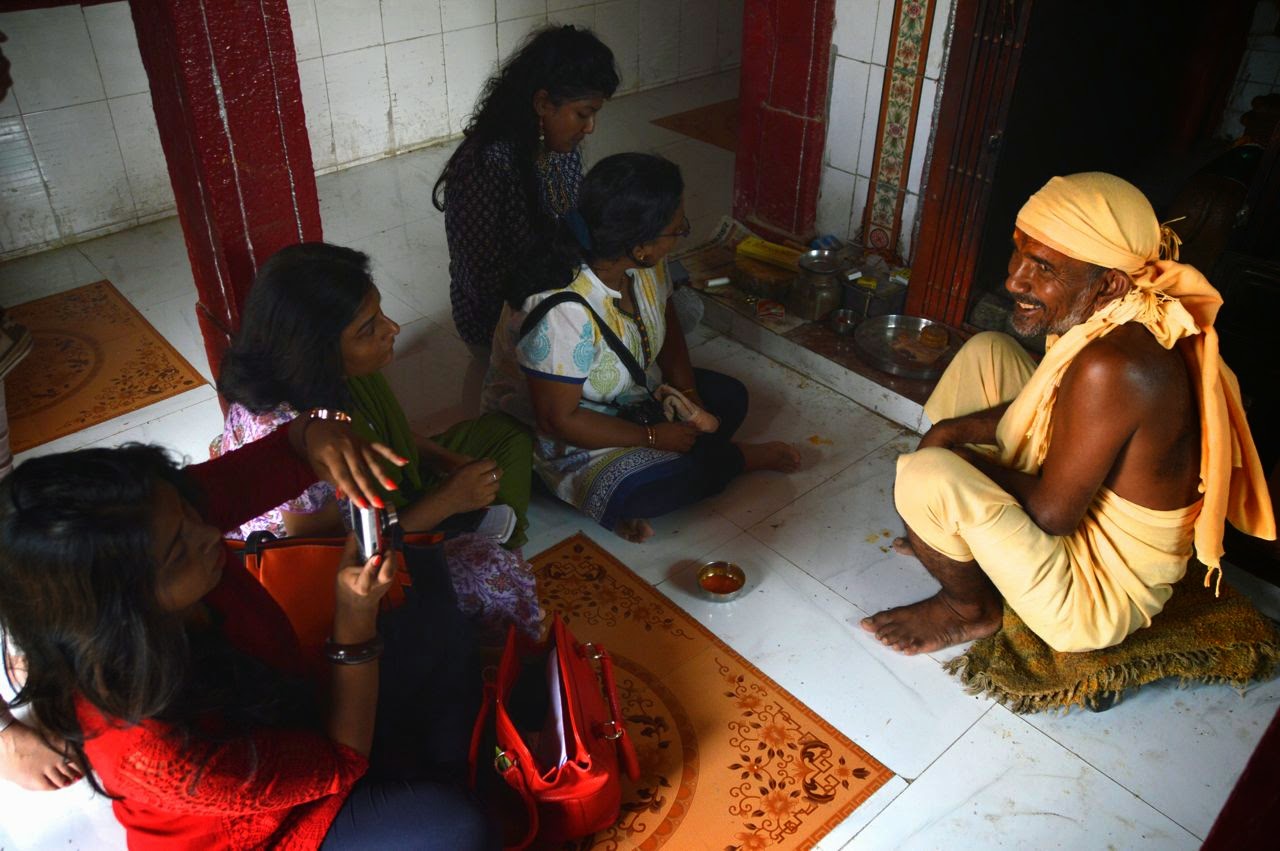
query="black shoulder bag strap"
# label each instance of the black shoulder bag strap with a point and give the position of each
(619, 348)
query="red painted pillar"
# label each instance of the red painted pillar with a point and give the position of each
(786, 52)
(224, 84)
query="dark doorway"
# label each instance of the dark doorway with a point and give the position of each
(1104, 86)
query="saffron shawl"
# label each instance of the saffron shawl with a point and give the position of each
(1101, 219)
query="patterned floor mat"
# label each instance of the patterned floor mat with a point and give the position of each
(94, 357)
(729, 759)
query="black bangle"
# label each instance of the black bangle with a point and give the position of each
(353, 654)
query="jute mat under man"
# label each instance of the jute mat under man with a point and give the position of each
(729, 759)
(1197, 637)
(94, 357)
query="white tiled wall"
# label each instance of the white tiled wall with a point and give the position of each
(1259, 69)
(860, 43)
(79, 151)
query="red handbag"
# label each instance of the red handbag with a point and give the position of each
(569, 780)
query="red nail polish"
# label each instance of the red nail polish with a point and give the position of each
(378, 503)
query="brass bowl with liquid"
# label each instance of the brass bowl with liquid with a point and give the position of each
(721, 581)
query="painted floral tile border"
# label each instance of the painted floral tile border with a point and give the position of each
(899, 105)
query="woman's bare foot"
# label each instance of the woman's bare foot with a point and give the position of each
(902, 546)
(775, 455)
(932, 624)
(636, 531)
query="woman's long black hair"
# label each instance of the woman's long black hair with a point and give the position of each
(287, 349)
(78, 599)
(625, 200)
(569, 62)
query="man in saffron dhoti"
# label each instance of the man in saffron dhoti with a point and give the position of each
(1079, 490)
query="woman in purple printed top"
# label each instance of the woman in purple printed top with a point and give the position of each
(519, 167)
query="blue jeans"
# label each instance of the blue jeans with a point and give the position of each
(428, 694)
(410, 814)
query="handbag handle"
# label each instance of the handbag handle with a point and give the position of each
(487, 699)
(515, 779)
(626, 749)
(511, 773)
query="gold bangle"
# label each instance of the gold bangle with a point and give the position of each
(651, 436)
(328, 414)
(322, 414)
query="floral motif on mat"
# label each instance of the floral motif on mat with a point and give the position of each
(583, 588)
(729, 759)
(93, 357)
(786, 773)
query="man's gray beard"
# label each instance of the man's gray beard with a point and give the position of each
(1026, 334)
(1079, 313)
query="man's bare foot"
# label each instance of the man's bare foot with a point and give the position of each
(774, 455)
(636, 531)
(932, 624)
(902, 546)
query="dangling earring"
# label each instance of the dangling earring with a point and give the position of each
(542, 135)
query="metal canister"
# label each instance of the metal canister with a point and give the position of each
(867, 297)
(817, 292)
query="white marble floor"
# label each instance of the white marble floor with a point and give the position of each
(1152, 772)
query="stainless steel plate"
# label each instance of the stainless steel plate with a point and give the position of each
(887, 342)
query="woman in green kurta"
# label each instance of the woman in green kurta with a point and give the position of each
(314, 336)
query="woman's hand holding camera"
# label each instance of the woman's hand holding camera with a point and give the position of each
(472, 485)
(360, 587)
(674, 437)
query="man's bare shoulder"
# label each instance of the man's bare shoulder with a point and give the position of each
(1128, 362)
(1128, 392)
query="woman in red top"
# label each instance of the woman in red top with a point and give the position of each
(172, 674)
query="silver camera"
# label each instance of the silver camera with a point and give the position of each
(373, 528)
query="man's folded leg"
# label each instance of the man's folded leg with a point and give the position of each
(989, 370)
(957, 511)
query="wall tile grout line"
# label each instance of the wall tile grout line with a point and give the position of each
(130, 193)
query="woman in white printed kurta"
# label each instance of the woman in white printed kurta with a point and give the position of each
(561, 376)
